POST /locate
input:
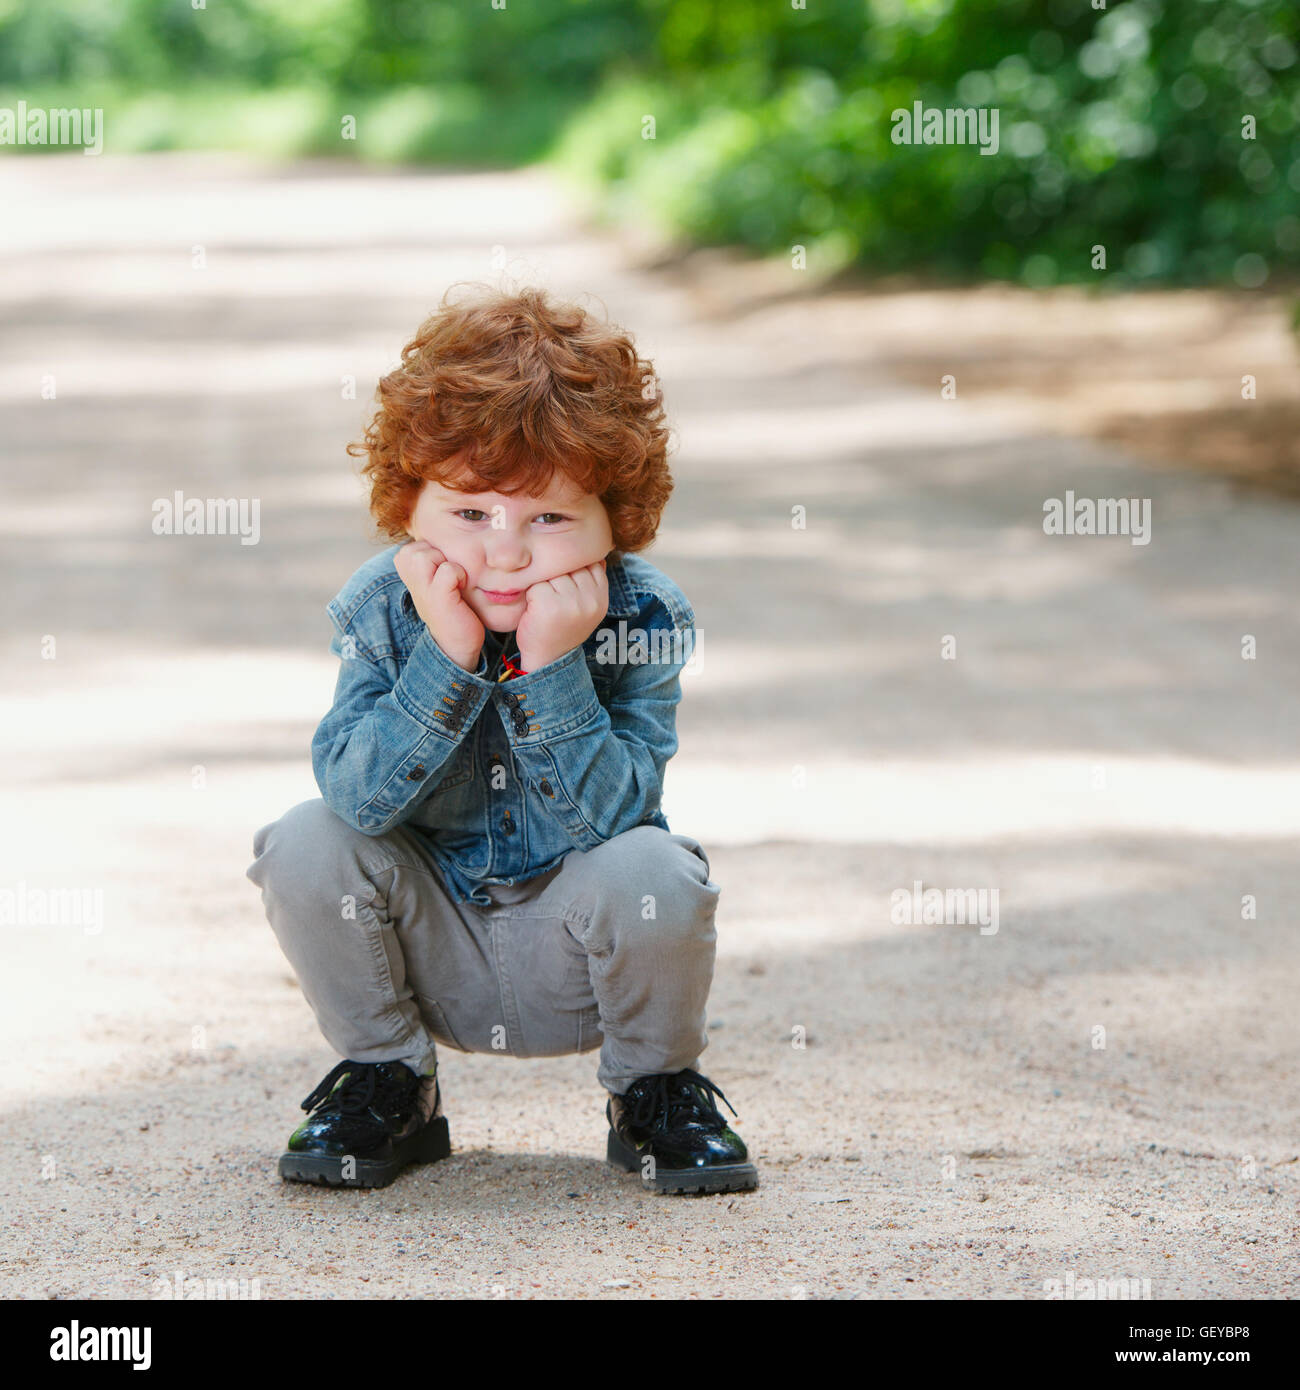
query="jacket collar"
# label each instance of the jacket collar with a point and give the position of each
(622, 601)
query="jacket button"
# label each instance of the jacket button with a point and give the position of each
(415, 773)
(545, 786)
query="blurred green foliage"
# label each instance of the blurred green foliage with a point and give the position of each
(1120, 127)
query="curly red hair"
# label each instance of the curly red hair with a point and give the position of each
(499, 392)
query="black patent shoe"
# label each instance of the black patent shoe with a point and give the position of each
(370, 1120)
(668, 1128)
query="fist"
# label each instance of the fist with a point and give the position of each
(437, 588)
(560, 613)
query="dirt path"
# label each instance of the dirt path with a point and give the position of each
(1098, 752)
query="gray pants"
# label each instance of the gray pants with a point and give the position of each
(612, 948)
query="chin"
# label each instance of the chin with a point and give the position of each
(497, 619)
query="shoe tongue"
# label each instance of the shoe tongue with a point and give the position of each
(391, 1081)
(686, 1103)
(689, 1103)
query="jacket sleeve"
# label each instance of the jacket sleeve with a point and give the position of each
(382, 748)
(599, 771)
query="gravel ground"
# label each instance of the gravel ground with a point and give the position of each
(1103, 1086)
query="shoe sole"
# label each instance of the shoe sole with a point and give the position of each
(427, 1145)
(724, 1177)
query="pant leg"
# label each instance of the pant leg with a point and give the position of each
(375, 939)
(639, 909)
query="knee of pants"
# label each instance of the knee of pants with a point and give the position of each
(295, 848)
(666, 880)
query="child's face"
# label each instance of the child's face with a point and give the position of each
(535, 539)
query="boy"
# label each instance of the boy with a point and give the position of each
(488, 867)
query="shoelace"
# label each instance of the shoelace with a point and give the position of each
(363, 1086)
(672, 1096)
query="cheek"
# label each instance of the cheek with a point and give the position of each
(458, 547)
(565, 559)
(591, 544)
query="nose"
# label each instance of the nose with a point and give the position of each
(503, 554)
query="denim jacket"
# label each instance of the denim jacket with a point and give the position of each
(499, 781)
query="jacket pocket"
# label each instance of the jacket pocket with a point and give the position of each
(459, 770)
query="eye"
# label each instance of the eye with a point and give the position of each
(463, 510)
(557, 515)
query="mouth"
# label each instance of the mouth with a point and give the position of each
(503, 597)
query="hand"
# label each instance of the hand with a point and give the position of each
(560, 613)
(436, 585)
